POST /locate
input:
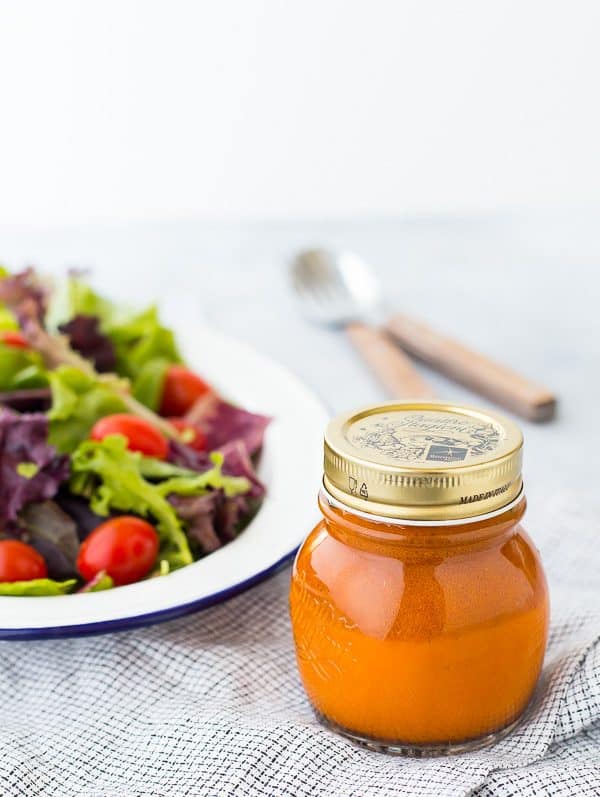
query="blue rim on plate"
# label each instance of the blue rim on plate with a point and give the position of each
(144, 620)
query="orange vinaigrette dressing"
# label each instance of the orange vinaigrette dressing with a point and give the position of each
(420, 635)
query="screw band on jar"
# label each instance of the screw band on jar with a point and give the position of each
(423, 461)
(371, 516)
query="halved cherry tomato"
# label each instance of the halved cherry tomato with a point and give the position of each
(141, 435)
(20, 562)
(191, 435)
(125, 547)
(181, 389)
(12, 338)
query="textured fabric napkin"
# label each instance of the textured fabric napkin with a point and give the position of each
(211, 704)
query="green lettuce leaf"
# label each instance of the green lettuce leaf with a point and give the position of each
(7, 319)
(164, 568)
(184, 481)
(201, 482)
(103, 583)
(37, 587)
(78, 401)
(144, 347)
(20, 368)
(140, 340)
(112, 477)
(148, 382)
(74, 296)
(99, 583)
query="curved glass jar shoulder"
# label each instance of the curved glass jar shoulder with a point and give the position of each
(419, 635)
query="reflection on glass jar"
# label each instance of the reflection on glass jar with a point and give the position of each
(420, 635)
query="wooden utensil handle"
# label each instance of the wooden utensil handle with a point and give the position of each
(476, 371)
(388, 362)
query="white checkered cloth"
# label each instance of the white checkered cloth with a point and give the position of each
(212, 705)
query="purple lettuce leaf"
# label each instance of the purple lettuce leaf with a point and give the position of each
(222, 422)
(35, 399)
(186, 457)
(237, 462)
(86, 338)
(78, 509)
(211, 519)
(232, 515)
(199, 512)
(52, 533)
(24, 295)
(24, 448)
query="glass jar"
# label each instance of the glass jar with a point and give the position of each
(419, 604)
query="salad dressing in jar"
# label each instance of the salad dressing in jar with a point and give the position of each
(419, 605)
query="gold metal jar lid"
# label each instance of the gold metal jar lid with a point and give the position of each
(423, 460)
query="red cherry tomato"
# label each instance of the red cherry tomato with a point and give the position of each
(141, 435)
(124, 547)
(181, 389)
(13, 338)
(191, 435)
(20, 562)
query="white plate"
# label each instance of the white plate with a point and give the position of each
(291, 465)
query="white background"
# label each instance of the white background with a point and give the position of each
(281, 108)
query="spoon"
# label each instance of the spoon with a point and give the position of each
(339, 289)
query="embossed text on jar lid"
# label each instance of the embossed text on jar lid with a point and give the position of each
(423, 460)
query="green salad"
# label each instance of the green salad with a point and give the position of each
(117, 461)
